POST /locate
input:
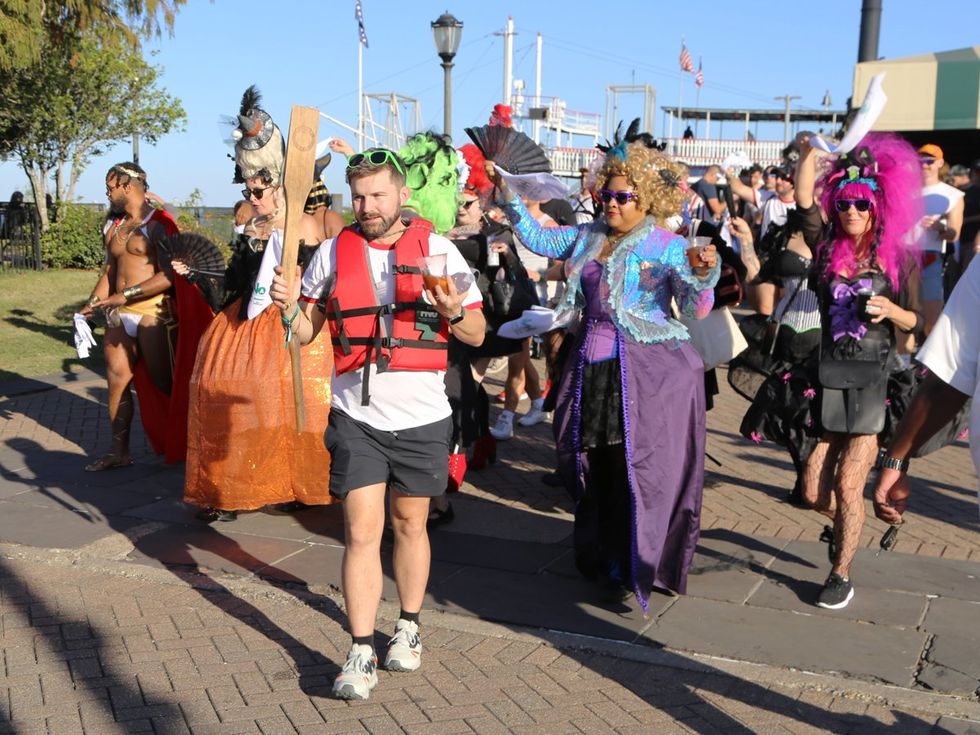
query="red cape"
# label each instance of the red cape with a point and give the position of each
(164, 417)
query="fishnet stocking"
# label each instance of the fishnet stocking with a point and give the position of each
(841, 463)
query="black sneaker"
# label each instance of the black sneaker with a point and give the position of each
(836, 593)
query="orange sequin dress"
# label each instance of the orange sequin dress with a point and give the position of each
(243, 451)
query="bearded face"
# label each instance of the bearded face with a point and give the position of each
(377, 203)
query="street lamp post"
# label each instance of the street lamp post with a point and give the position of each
(447, 32)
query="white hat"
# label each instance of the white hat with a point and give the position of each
(534, 321)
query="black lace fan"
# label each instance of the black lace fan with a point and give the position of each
(510, 149)
(202, 258)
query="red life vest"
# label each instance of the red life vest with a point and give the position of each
(420, 336)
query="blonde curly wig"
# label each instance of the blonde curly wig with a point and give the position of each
(655, 179)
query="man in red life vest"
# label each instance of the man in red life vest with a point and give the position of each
(390, 420)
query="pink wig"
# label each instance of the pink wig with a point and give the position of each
(885, 169)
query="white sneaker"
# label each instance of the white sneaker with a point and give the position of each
(404, 648)
(535, 416)
(359, 675)
(504, 428)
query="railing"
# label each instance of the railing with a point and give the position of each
(696, 153)
(568, 161)
(20, 237)
(707, 152)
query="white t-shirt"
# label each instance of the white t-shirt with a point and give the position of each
(271, 257)
(952, 351)
(775, 210)
(937, 200)
(546, 290)
(400, 399)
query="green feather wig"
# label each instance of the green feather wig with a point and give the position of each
(432, 175)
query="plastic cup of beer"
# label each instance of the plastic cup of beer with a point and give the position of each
(695, 255)
(433, 268)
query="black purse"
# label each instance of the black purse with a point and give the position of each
(852, 400)
(510, 297)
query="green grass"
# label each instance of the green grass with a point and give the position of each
(36, 332)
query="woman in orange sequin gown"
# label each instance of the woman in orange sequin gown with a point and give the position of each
(243, 451)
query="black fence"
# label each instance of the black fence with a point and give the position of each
(20, 237)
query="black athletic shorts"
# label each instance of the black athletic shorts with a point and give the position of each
(413, 461)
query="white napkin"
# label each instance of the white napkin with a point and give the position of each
(84, 339)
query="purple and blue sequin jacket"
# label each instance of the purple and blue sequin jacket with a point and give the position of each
(648, 268)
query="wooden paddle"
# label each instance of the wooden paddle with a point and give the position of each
(297, 179)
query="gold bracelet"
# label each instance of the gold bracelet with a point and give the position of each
(131, 292)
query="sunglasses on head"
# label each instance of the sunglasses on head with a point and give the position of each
(861, 205)
(621, 197)
(257, 193)
(377, 157)
(927, 161)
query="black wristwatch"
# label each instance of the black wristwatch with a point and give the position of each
(458, 318)
(891, 463)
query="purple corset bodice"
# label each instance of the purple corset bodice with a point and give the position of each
(600, 336)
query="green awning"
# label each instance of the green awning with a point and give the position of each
(938, 91)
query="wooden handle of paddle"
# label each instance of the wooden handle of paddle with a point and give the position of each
(297, 179)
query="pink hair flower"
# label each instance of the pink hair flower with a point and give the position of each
(809, 393)
(786, 377)
(756, 437)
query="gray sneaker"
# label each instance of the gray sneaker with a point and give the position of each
(359, 675)
(404, 648)
(836, 593)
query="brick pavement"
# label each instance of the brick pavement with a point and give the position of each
(104, 651)
(114, 642)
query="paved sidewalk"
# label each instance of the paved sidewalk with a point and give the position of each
(121, 613)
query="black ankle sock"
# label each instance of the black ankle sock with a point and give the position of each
(412, 617)
(363, 640)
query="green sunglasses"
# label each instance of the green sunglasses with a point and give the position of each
(376, 157)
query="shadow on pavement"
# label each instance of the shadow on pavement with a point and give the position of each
(477, 578)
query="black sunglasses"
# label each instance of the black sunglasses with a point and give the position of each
(467, 204)
(621, 197)
(257, 193)
(377, 157)
(861, 205)
(927, 161)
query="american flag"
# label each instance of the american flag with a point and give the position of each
(699, 77)
(359, 17)
(687, 63)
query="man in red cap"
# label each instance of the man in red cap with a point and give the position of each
(943, 205)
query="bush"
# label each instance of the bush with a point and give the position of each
(75, 240)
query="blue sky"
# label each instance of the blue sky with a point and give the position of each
(306, 53)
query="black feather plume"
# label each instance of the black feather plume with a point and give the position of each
(633, 135)
(250, 99)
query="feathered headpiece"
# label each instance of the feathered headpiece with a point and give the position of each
(617, 147)
(477, 181)
(259, 145)
(431, 174)
(500, 117)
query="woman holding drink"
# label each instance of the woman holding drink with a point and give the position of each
(631, 407)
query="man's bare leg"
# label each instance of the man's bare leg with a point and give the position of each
(364, 518)
(154, 344)
(412, 555)
(120, 358)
